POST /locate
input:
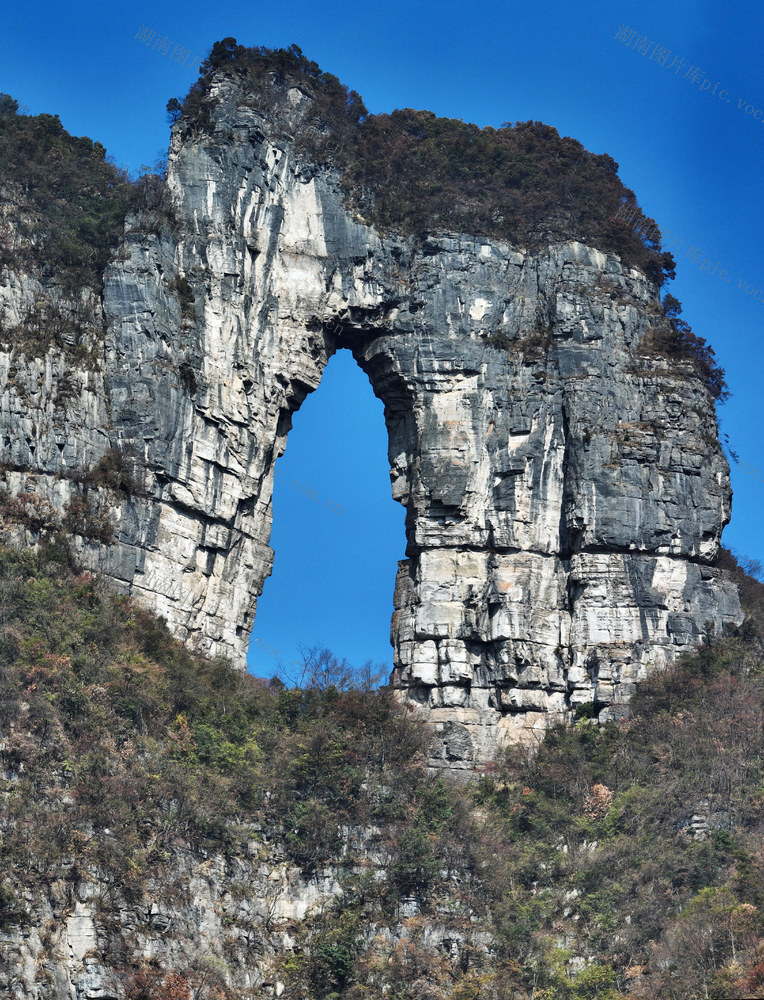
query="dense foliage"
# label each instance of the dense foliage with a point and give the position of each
(415, 173)
(70, 201)
(614, 862)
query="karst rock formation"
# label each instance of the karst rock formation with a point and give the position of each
(565, 493)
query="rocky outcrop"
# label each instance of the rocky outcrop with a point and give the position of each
(565, 488)
(213, 921)
(216, 925)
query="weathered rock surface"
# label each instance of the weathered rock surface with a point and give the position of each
(218, 920)
(565, 491)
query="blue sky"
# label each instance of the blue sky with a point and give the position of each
(692, 157)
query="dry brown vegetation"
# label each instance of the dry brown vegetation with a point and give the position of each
(586, 849)
(414, 172)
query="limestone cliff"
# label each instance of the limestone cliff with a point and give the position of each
(565, 487)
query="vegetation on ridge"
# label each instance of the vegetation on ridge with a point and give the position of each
(415, 172)
(616, 862)
(68, 202)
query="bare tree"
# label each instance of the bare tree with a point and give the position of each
(321, 670)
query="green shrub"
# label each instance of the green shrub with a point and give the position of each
(77, 200)
(597, 982)
(332, 967)
(312, 834)
(415, 865)
(72, 200)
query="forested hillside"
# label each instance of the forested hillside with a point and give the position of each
(612, 862)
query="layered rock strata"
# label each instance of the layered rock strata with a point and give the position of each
(565, 489)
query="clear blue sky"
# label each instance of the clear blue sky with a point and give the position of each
(694, 160)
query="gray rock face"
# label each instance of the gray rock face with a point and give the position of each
(228, 921)
(565, 490)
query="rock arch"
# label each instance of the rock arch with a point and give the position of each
(564, 497)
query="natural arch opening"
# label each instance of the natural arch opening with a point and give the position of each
(337, 533)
